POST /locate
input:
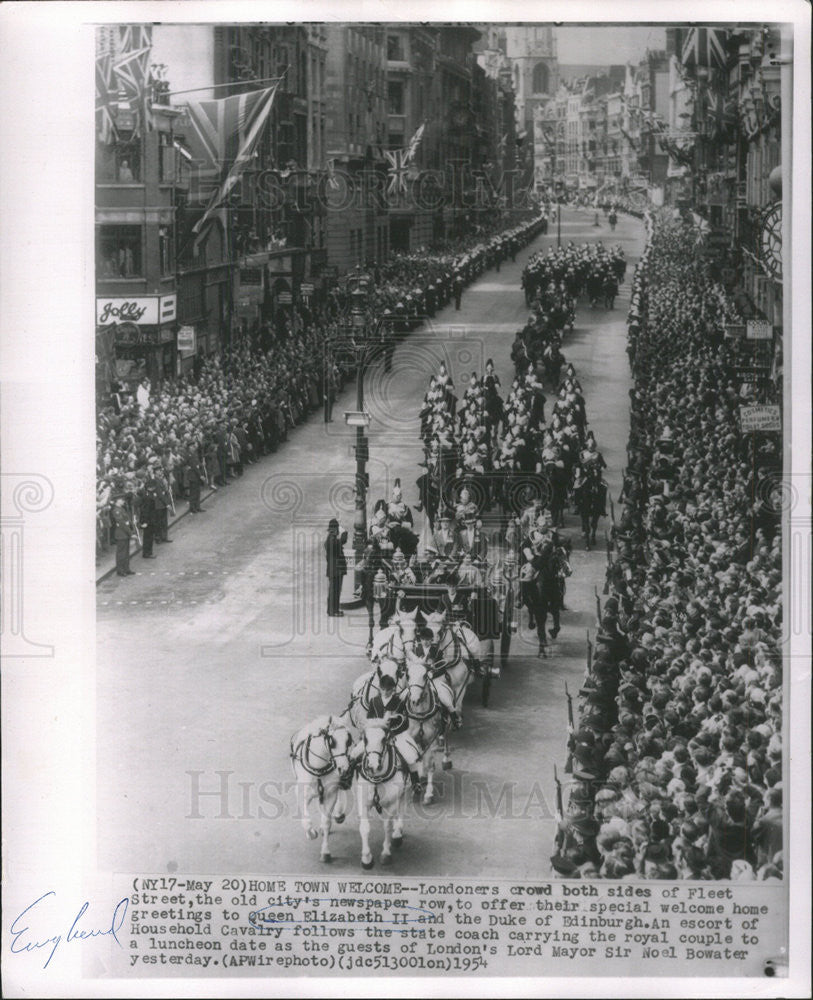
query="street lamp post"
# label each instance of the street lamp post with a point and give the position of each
(366, 338)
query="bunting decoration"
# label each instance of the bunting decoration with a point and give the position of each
(223, 137)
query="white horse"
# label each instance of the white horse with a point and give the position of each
(457, 653)
(395, 640)
(366, 687)
(381, 784)
(428, 723)
(319, 758)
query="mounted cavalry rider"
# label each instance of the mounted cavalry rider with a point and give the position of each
(398, 512)
(380, 532)
(591, 458)
(400, 523)
(466, 508)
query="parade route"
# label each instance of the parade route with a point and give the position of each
(219, 649)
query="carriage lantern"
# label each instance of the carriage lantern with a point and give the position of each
(380, 585)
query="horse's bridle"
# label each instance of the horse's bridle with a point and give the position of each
(388, 768)
(303, 752)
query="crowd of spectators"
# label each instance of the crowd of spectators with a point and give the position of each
(676, 755)
(237, 408)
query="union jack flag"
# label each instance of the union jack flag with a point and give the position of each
(122, 75)
(704, 47)
(397, 171)
(106, 97)
(223, 136)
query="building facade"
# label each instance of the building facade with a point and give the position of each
(136, 286)
(413, 101)
(356, 137)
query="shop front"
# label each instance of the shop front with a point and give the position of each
(286, 270)
(250, 297)
(139, 334)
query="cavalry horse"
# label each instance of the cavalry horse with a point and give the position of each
(319, 758)
(381, 784)
(590, 499)
(428, 723)
(550, 563)
(557, 478)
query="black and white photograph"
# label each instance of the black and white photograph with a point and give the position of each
(460, 366)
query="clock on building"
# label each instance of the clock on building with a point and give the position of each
(770, 240)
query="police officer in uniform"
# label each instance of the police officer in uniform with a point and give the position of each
(195, 478)
(123, 530)
(147, 514)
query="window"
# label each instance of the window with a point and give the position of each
(119, 252)
(540, 79)
(395, 48)
(118, 163)
(395, 96)
(167, 159)
(165, 250)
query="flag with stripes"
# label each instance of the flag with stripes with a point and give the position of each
(223, 136)
(704, 47)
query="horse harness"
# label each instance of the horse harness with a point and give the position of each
(391, 763)
(302, 752)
